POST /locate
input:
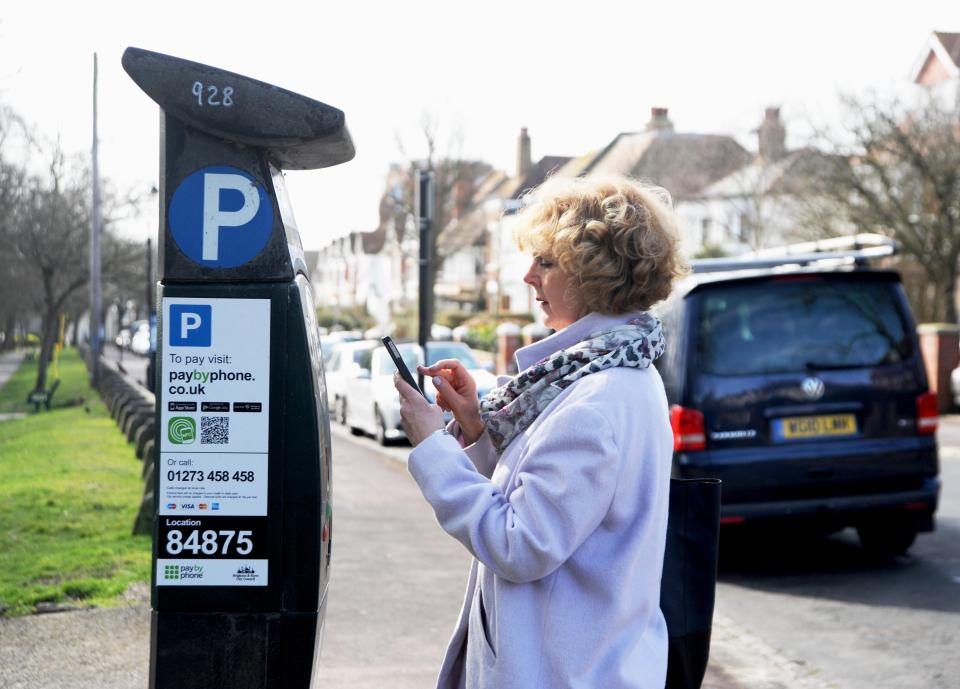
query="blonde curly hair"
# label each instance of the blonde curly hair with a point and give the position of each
(617, 238)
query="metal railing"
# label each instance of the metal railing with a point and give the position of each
(858, 249)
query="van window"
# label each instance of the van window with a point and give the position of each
(803, 325)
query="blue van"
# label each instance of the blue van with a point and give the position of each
(803, 388)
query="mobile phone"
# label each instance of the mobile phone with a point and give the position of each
(401, 366)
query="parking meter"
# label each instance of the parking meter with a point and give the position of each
(242, 528)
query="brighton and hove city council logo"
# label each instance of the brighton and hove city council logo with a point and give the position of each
(246, 573)
(182, 430)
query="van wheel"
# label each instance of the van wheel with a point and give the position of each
(886, 539)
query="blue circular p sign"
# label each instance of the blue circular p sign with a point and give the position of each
(220, 217)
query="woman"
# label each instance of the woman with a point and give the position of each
(558, 481)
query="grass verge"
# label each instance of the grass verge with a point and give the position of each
(70, 492)
(73, 384)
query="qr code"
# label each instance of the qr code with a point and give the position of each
(214, 430)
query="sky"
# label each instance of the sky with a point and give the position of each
(573, 73)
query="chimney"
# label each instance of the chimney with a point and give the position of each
(771, 136)
(659, 122)
(524, 163)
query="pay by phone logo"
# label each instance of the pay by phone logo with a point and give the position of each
(181, 430)
(220, 217)
(190, 325)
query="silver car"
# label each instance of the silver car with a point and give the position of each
(370, 403)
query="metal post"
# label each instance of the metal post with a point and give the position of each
(95, 293)
(150, 287)
(424, 204)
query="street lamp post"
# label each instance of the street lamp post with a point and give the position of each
(424, 205)
(96, 296)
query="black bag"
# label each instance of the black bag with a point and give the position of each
(688, 586)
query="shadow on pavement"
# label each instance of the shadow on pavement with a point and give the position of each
(837, 568)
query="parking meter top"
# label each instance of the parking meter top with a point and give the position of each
(298, 133)
(225, 138)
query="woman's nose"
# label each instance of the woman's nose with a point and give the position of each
(531, 277)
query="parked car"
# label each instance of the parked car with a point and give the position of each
(370, 403)
(804, 390)
(329, 340)
(140, 339)
(341, 367)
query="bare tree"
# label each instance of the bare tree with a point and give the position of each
(13, 278)
(45, 238)
(455, 180)
(896, 171)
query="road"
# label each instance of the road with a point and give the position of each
(826, 612)
(134, 365)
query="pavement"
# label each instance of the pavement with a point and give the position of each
(9, 363)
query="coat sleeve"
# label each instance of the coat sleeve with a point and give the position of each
(482, 453)
(565, 484)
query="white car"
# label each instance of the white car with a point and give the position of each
(140, 342)
(330, 340)
(370, 403)
(341, 368)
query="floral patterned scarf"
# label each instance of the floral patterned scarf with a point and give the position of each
(509, 409)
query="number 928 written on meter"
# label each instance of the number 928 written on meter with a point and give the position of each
(209, 542)
(195, 475)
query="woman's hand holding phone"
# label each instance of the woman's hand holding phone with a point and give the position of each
(457, 393)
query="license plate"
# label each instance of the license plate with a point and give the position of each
(826, 426)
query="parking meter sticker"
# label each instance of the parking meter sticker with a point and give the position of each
(220, 217)
(225, 572)
(216, 362)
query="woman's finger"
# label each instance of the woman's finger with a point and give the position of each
(451, 395)
(451, 364)
(442, 403)
(407, 393)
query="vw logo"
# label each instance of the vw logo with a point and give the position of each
(812, 388)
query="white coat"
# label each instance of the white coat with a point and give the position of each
(567, 529)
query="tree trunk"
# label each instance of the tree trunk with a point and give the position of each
(9, 333)
(75, 322)
(48, 337)
(949, 297)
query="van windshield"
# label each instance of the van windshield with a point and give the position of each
(803, 325)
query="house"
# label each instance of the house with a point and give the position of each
(683, 163)
(760, 204)
(461, 280)
(937, 68)
(475, 276)
(680, 162)
(365, 268)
